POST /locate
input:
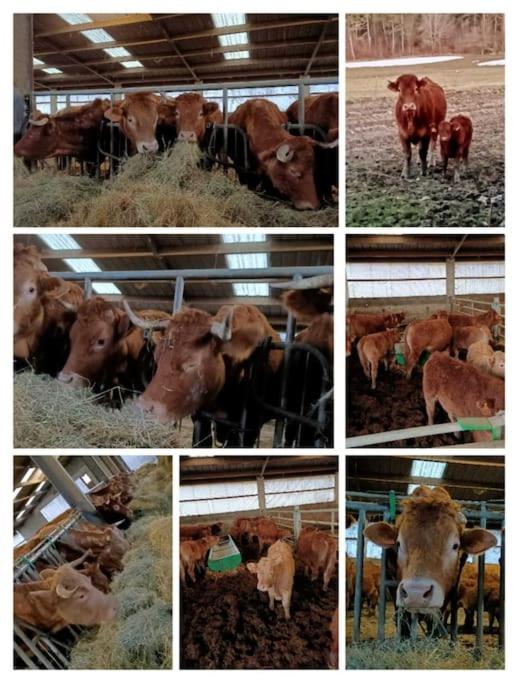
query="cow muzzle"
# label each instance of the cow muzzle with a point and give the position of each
(153, 409)
(306, 205)
(187, 136)
(72, 380)
(149, 146)
(409, 107)
(419, 594)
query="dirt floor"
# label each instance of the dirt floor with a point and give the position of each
(226, 623)
(378, 196)
(396, 403)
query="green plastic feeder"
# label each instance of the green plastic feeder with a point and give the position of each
(224, 556)
(399, 350)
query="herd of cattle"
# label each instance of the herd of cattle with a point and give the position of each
(316, 550)
(421, 119)
(78, 591)
(295, 167)
(426, 552)
(191, 361)
(473, 387)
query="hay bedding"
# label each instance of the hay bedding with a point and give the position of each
(149, 191)
(50, 415)
(141, 635)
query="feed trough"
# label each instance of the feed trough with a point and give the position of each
(224, 556)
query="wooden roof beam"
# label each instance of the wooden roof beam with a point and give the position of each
(120, 20)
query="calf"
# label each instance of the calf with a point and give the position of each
(193, 532)
(490, 318)
(461, 389)
(275, 574)
(482, 356)
(375, 347)
(318, 552)
(192, 556)
(420, 107)
(360, 324)
(455, 139)
(425, 335)
(464, 337)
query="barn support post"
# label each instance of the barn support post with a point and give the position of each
(501, 620)
(297, 522)
(106, 474)
(261, 494)
(480, 587)
(121, 464)
(22, 54)
(88, 287)
(94, 469)
(450, 281)
(496, 307)
(382, 600)
(358, 580)
(178, 294)
(63, 482)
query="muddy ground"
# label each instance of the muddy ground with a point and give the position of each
(375, 192)
(226, 623)
(396, 403)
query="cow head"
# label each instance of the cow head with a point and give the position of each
(190, 366)
(429, 537)
(408, 87)
(74, 598)
(190, 113)
(96, 342)
(137, 117)
(265, 570)
(290, 167)
(40, 140)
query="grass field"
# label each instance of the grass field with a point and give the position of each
(376, 194)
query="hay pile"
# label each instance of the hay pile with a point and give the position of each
(48, 414)
(425, 653)
(141, 635)
(149, 191)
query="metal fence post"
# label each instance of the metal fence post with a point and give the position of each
(501, 620)
(178, 294)
(297, 522)
(480, 587)
(88, 288)
(358, 581)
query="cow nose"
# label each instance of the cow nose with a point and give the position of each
(187, 136)
(409, 106)
(414, 594)
(302, 206)
(152, 408)
(151, 146)
(71, 379)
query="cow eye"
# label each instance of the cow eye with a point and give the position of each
(455, 546)
(32, 290)
(398, 545)
(131, 119)
(100, 342)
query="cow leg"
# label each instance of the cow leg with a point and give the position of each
(430, 408)
(423, 153)
(456, 170)
(286, 600)
(374, 373)
(444, 165)
(272, 599)
(407, 151)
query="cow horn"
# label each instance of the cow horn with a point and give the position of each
(316, 282)
(328, 145)
(144, 324)
(81, 559)
(39, 122)
(63, 592)
(223, 328)
(461, 518)
(284, 154)
(68, 306)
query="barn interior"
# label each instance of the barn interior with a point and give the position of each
(375, 487)
(418, 275)
(203, 272)
(64, 508)
(69, 59)
(225, 621)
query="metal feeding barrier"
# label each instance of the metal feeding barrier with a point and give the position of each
(115, 150)
(37, 649)
(386, 506)
(304, 419)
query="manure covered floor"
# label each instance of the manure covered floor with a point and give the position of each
(226, 623)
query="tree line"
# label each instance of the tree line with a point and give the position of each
(399, 35)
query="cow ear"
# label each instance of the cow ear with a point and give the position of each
(210, 107)
(477, 541)
(252, 567)
(122, 324)
(393, 86)
(166, 109)
(381, 533)
(421, 82)
(47, 283)
(113, 114)
(47, 573)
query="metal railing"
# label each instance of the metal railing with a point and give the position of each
(386, 506)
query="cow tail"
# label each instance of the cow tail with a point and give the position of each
(363, 360)
(407, 346)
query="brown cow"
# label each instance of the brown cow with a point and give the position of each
(360, 324)
(455, 140)
(190, 114)
(317, 550)
(490, 318)
(193, 532)
(104, 346)
(197, 353)
(287, 160)
(468, 593)
(376, 347)
(482, 356)
(370, 583)
(62, 597)
(464, 337)
(462, 390)
(425, 335)
(275, 574)
(429, 537)
(73, 131)
(192, 556)
(137, 117)
(319, 110)
(420, 107)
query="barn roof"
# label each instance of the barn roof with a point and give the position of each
(92, 51)
(171, 252)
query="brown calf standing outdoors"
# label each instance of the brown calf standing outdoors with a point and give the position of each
(455, 140)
